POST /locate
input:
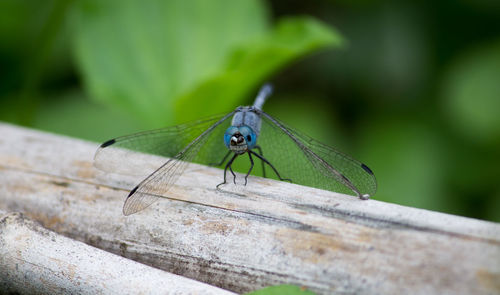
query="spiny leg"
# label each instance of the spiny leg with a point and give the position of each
(223, 160)
(251, 167)
(228, 165)
(271, 165)
(263, 164)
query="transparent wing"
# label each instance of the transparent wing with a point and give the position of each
(308, 162)
(125, 154)
(199, 142)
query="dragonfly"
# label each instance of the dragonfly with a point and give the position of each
(247, 131)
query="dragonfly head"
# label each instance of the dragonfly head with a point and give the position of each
(240, 139)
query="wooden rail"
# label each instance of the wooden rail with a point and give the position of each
(246, 237)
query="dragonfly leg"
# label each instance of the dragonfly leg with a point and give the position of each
(271, 165)
(223, 160)
(232, 172)
(263, 164)
(228, 165)
(251, 167)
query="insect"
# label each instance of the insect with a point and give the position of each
(217, 141)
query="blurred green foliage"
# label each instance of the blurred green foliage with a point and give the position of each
(172, 61)
(415, 93)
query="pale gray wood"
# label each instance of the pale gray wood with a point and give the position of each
(247, 237)
(34, 260)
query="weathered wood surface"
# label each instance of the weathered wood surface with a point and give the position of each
(247, 237)
(34, 260)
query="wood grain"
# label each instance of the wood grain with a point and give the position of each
(34, 260)
(242, 238)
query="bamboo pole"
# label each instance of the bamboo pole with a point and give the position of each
(246, 237)
(34, 260)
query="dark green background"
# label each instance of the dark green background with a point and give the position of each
(411, 88)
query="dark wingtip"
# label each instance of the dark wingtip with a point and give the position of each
(366, 169)
(132, 191)
(108, 143)
(127, 210)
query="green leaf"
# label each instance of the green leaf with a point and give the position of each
(254, 62)
(282, 290)
(72, 114)
(139, 56)
(167, 61)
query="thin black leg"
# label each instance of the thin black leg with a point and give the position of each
(271, 165)
(263, 165)
(228, 165)
(223, 160)
(251, 167)
(232, 172)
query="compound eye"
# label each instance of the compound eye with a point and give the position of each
(248, 135)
